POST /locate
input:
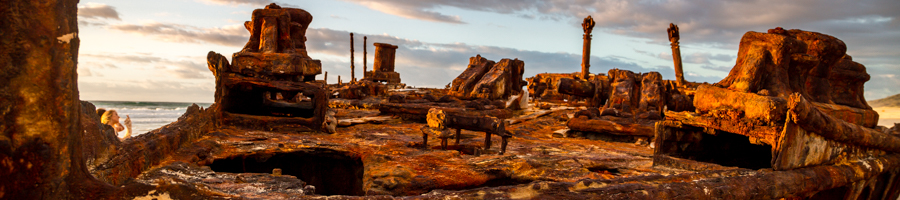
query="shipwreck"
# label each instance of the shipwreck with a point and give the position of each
(789, 122)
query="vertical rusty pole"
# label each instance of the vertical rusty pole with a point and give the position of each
(365, 53)
(676, 53)
(352, 68)
(588, 26)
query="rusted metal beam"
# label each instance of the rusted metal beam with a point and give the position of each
(725, 184)
(753, 106)
(767, 134)
(863, 117)
(623, 127)
(687, 164)
(809, 117)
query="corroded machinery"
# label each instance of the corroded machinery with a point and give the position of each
(384, 65)
(768, 131)
(271, 81)
(621, 102)
(487, 79)
(792, 102)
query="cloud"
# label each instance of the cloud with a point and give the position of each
(717, 68)
(84, 72)
(233, 35)
(97, 11)
(256, 3)
(183, 68)
(337, 17)
(436, 64)
(710, 22)
(883, 82)
(252, 3)
(411, 12)
(704, 58)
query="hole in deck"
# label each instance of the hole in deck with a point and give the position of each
(331, 172)
(728, 149)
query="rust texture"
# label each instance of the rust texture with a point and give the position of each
(269, 80)
(624, 103)
(588, 26)
(419, 111)
(754, 107)
(801, 62)
(676, 53)
(359, 90)
(544, 87)
(264, 139)
(727, 184)
(383, 71)
(104, 140)
(610, 125)
(486, 79)
(809, 117)
(596, 90)
(40, 139)
(774, 116)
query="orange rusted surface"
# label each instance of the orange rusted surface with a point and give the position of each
(271, 133)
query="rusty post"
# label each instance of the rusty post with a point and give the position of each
(504, 140)
(424, 140)
(588, 26)
(365, 54)
(326, 77)
(352, 68)
(458, 134)
(487, 140)
(676, 53)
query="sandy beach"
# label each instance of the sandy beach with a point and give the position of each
(888, 116)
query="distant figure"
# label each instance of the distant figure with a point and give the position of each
(111, 117)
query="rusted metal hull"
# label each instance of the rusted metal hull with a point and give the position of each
(619, 127)
(853, 179)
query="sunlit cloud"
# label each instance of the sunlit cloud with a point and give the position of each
(97, 11)
(234, 35)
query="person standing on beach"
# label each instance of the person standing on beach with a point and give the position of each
(111, 117)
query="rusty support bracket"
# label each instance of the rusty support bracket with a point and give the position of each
(809, 117)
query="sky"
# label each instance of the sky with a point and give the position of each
(156, 50)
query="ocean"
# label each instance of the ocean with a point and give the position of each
(146, 116)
